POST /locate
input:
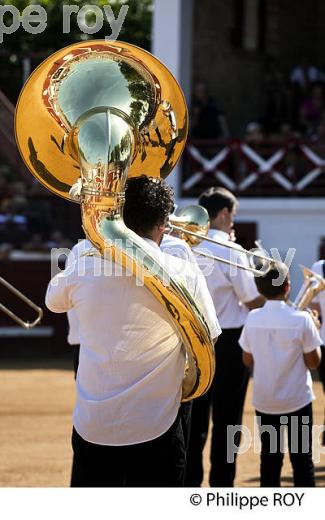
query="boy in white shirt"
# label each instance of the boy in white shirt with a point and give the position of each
(282, 344)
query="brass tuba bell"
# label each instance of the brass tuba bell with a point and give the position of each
(90, 116)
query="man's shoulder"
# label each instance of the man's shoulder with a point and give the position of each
(302, 316)
(170, 241)
(256, 316)
(318, 267)
(81, 246)
(293, 317)
(176, 264)
(222, 247)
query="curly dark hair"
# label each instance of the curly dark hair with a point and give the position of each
(148, 203)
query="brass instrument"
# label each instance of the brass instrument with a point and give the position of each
(192, 224)
(313, 284)
(90, 116)
(21, 296)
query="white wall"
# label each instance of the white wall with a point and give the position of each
(288, 223)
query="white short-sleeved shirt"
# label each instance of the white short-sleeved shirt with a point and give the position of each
(75, 256)
(317, 267)
(177, 247)
(277, 336)
(131, 358)
(229, 287)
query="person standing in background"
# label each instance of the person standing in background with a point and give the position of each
(233, 294)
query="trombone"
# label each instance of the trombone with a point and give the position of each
(192, 224)
(21, 296)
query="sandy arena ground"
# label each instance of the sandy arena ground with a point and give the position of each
(35, 419)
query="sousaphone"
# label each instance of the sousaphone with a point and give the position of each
(90, 116)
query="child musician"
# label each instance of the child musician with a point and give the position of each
(282, 344)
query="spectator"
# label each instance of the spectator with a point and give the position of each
(5, 250)
(287, 133)
(13, 224)
(319, 136)
(208, 122)
(275, 96)
(254, 134)
(312, 109)
(304, 74)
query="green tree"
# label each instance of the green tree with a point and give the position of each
(136, 29)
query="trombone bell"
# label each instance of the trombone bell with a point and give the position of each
(193, 219)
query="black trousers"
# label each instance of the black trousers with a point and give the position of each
(226, 398)
(299, 426)
(157, 463)
(76, 352)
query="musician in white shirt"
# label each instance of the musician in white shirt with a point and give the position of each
(127, 425)
(282, 343)
(233, 293)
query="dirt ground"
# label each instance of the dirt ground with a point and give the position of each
(35, 428)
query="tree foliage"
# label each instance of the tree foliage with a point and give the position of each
(136, 29)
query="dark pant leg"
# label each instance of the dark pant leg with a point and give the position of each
(186, 414)
(160, 462)
(197, 439)
(228, 397)
(300, 425)
(95, 465)
(76, 351)
(272, 451)
(157, 463)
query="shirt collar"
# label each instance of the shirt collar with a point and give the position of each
(152, 243)
(275, 303)
(213, 233)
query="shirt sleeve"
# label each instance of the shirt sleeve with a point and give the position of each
(243, 281)
(310, 336)
(71, 258)
(57, 297)
(244, 340)
(205, 303)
